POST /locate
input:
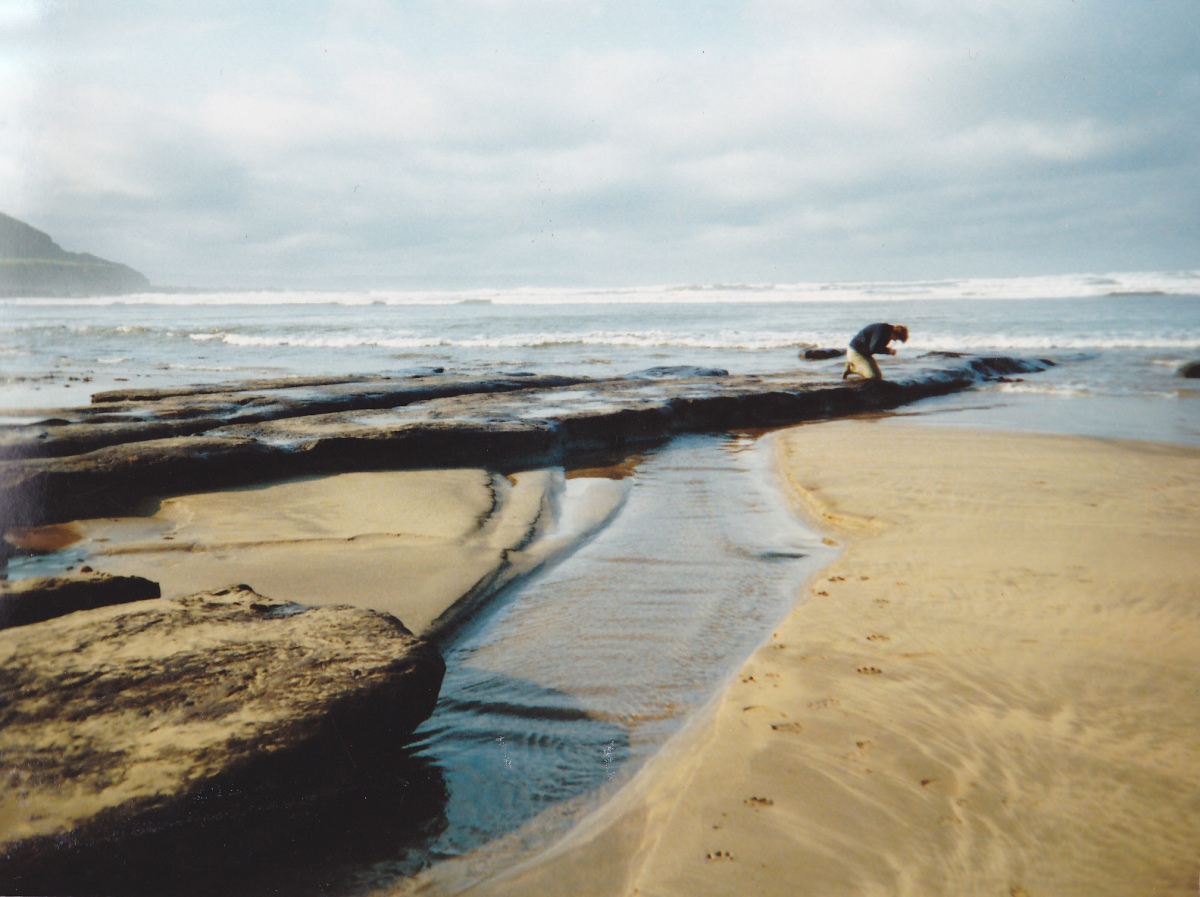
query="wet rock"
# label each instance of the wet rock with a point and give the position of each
(163, 739)
(821, 354)
(26, 601)
(116, 479)
(1190, 370)
(678, 370)
(125, 416)
(502, 424)
(995, 367)
(157, 395)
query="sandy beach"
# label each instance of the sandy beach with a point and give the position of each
(992, 691)
(426, 546)
(525, 449)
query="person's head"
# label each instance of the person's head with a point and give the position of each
(900, 332)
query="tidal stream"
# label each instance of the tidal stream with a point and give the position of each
(565, 685)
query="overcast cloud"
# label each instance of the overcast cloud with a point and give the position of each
(451, 143)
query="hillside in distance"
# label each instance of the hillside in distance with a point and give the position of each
(32, 264)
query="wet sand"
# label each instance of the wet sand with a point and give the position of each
(992, 691)
(425, 545)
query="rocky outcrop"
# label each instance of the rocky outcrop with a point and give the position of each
(677, 370)
(1191, 370)
(106, 458)
(28, 601)
(821, 354)
(32, 264)
(151, 743)
(124, 416)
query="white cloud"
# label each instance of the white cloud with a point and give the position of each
(363, 139)
(82, 146)
(1009, 144)
(19, 15)
(283, 112)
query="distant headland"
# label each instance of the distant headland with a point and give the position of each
(32, 264)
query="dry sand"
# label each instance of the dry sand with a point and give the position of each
(422, 545)
(994, 691)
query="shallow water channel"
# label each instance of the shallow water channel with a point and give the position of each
(566, 684)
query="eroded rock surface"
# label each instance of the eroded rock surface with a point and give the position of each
(139, 415)
(821, 354)
(34, 600)
(143, 741)
(104, 459)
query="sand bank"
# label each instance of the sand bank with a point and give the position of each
(422, 545)
(992, 691)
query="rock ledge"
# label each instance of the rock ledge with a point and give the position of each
(128, 732)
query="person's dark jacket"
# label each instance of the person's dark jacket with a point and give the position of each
(872, 339)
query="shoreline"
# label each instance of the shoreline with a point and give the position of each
(990, 691)
(106, 458)
(810, 763)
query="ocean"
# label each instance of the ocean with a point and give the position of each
(1117, 340)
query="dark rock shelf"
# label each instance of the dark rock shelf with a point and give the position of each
(154, 744)
(105, 458)
(29, 601)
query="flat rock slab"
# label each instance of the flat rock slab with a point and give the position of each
(128, 732)
(34, 600)
(821, 354)
(99, 461)
(138, 415)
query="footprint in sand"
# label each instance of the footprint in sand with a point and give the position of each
(878, 637)
(823, 704)
(870, 671)
(719, 855)
(759, 801)
(791, 728)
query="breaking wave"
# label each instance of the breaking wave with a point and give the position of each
(728, 341)
(1062, 286)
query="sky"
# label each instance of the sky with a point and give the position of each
(366, 144)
